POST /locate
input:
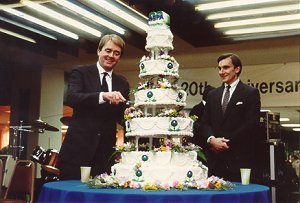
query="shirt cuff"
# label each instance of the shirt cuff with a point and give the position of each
(101, 100)
(209, 138)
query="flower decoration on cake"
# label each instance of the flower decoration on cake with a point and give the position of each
(162, 113)
(164, 83)
(126, 147)
(168, 113)
(215, 183)
(166, 145)
(194, 117)
(130, 146)
(108, 181)
(135, 114)
(142, 86)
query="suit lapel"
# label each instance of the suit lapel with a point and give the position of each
(219, 100)
(234, 98)
(115, 83)
(94, 77)
(217, 105)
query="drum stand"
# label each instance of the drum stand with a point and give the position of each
(16, 146)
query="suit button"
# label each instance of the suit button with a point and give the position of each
(99, 134)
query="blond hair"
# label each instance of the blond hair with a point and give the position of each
(115, 39)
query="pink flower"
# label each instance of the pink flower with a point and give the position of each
(175, 184)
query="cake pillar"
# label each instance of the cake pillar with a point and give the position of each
(136, 143)
(153, 111)
(150, 143)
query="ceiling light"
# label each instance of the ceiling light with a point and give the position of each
(296, 129)
(265, 35)
(291, 125)
(227, 4)
(284, 119)
(42, 23)
(91, 16)
(133, 10)
(28, 28)
(8, 32)
(121, 13)
(65, 19)
(274, 9)
(262, 29)
(265, 110)
(255, 21)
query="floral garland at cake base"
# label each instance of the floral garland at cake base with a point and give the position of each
(109, 181)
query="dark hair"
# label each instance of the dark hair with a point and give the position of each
(236, 61)
(115, 39)
(207, 89)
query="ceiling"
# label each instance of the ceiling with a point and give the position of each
(190, 27)
(187, 23)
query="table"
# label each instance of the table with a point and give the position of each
(74, 191)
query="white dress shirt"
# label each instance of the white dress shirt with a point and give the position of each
(231, 90)
(108, 80)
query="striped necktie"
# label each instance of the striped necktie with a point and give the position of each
(226, 99)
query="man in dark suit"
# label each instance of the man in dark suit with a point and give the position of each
(230, 121)
(198, 110)
(97, 96)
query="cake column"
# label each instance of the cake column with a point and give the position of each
(136, 143)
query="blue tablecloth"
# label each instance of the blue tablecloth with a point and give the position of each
(75, 191)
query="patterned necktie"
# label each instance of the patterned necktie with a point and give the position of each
(226, 99)
(104, 86)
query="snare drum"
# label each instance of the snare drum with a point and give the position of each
(51, 157)
(51, 161)
(38, 155)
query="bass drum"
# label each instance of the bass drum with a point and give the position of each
(38, 155)
(51, 162)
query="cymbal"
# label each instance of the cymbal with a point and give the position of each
(43, 125)
(51, 169)
(26, 129)
(65, 120)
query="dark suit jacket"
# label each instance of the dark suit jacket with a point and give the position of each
(92, 123)
(198, 110)
(238, 124)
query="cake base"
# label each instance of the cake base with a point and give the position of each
(164, 167)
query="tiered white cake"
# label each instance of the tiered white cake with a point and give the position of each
(158, 102)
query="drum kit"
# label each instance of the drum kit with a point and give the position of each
(49, 162)
(47, 158)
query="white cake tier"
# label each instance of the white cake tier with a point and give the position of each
(159, 67)
(159, 127)
(160, 97)
(159, 37)
(165, 167)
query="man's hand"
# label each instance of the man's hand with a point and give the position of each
(129, 110)
(114, 97)
(219, 144)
